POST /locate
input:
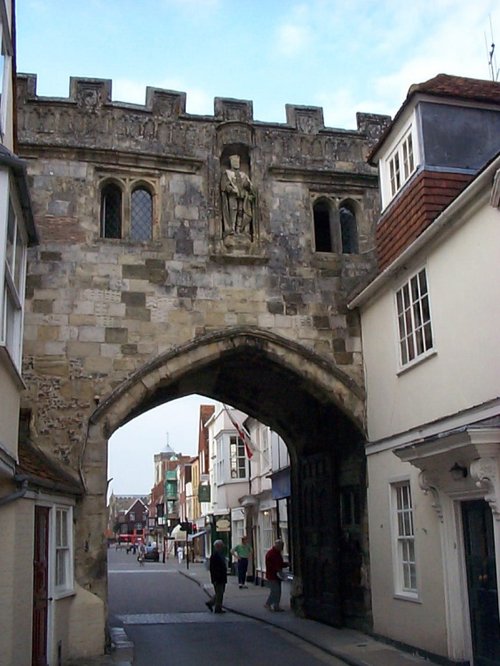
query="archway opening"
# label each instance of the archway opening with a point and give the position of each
(328, 535)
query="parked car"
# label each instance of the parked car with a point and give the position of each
(152, 553)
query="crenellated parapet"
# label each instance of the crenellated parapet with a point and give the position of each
(89, 110)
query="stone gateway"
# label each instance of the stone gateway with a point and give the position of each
(188, 254)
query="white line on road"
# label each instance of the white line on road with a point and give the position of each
(179, 618)
(141, 571)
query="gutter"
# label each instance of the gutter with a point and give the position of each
(19, 170)
(432, 231)
(54, 486)
(18, 494)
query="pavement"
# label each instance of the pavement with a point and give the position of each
(352, 647)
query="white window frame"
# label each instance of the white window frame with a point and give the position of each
(12, 273)
(236, 466)
(219, 461)
(63, 550)
(415, 332)
(58, 590)
(403, 541)
(6, 52)
(400, 161)
(238, 532)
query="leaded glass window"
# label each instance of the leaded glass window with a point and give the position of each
(141, 215)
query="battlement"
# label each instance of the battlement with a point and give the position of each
(94, 94)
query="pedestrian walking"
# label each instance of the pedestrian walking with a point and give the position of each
(274, 567)
(243, 552)
(180, 554)
(218, 576)
(141, 554)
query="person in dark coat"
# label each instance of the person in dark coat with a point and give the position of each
(274, 565)
(218, 576)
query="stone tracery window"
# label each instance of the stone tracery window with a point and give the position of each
(127, 210)
(335, 226)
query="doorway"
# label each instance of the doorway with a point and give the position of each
(481, 582)
(40, 586)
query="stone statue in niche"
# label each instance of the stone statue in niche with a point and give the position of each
(238, 200)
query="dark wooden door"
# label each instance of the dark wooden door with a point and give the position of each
(482, 582)
(319, 538)
(40, 587)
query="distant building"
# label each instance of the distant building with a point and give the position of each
(265, 510)
(128, 516)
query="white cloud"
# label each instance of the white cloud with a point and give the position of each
(452, 46)
(292, 39)
(293, 36)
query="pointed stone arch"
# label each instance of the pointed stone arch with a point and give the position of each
(315, 406)
(148, 386)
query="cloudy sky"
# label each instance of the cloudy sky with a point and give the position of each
(343, 55)
(346, 56)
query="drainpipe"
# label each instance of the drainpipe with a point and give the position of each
(16, 495)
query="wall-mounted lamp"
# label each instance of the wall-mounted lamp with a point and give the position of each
(458, 472)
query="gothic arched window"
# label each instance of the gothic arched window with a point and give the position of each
(141, 214)
(323, 237)
(348, 229)
(111, 211)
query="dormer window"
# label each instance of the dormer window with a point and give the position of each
(401, 163)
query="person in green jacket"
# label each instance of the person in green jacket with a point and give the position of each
(243, 552)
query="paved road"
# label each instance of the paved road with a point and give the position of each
(164, 614)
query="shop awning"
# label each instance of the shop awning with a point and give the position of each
(197, 534)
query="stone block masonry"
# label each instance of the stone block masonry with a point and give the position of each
(102, 306)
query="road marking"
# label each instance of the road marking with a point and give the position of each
(140, 571)
(179, 618)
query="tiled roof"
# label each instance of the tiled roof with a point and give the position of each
(42, 471)
(445, 85)
(411, 213)
(124, 502)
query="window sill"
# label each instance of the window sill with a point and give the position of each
(64, 594)
(152, 242)
(412, 598)
(417, 361)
